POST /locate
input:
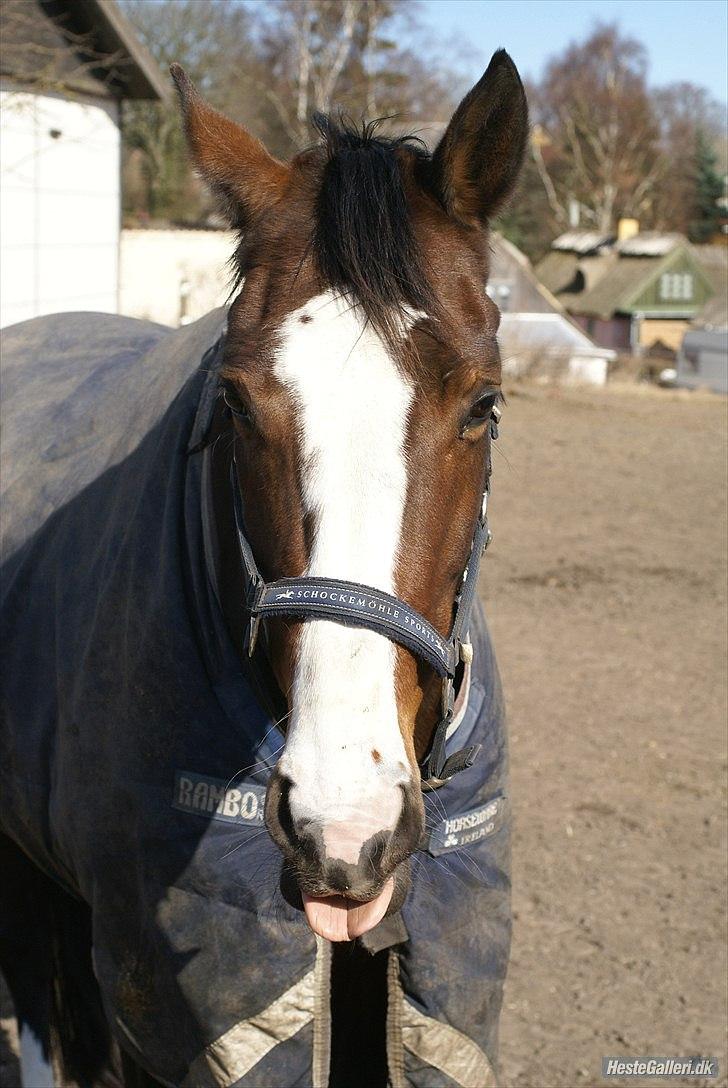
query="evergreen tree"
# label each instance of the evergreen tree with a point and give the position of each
(707, 212)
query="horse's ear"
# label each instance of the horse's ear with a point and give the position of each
(234, 164)
(476, 164)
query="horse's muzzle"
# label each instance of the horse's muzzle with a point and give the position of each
(345, 892)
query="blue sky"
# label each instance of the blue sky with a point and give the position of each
(685, 39)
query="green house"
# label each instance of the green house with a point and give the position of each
(636, 293)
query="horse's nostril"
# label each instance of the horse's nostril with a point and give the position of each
(361, 878)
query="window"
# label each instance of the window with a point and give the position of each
(676, 286)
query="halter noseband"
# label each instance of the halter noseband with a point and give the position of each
(363, 606)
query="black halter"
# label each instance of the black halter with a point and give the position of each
(363, 606)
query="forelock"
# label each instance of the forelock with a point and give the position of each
(363, 242)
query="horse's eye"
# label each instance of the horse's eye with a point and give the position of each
(483, 408)
(234, 401)
(480, 412)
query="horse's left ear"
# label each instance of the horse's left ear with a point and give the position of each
(476, 164)
(234, 164)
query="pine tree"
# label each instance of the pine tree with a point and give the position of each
(707, 212)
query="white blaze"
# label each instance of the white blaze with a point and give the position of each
(352, 404)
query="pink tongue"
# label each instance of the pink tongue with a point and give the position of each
(339, 919)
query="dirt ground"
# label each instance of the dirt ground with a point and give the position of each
(606, 592)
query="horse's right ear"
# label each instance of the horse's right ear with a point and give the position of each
(234, 164)
(476, 164)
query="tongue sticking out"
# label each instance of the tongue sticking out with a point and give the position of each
(339, 919)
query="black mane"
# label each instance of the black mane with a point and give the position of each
(363, 241)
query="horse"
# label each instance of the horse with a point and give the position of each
(255, 812)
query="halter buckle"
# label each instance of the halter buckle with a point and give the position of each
(448, 698)
(253, 631)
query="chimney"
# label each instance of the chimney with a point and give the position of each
(627, 228)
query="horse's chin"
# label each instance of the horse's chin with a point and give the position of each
(337, 918)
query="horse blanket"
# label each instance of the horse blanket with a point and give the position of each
(134, 754)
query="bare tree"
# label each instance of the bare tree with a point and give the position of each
(212, 40)
(308, 44)
(321, 53)
(270, 68)
(599, 137)
(324, 54)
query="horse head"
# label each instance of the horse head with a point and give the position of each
(362, 368)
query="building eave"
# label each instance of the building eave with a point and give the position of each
(137, 77)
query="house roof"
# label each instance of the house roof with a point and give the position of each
(650, 243)
(582, 241)
(87, 46)
(557, 270)
(613, 290)
(501, 248)
(714, 262)
(601, 280)
(569, 276)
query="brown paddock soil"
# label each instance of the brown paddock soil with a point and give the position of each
(606, 594)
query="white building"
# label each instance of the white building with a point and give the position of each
(62, 81)
(549, 346)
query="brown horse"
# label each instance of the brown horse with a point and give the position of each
(314, 489)
(362, 368)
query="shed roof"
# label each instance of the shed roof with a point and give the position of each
(551, 334)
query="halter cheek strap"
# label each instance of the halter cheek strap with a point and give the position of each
(359, 605)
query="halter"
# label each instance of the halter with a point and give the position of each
(359, 605)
